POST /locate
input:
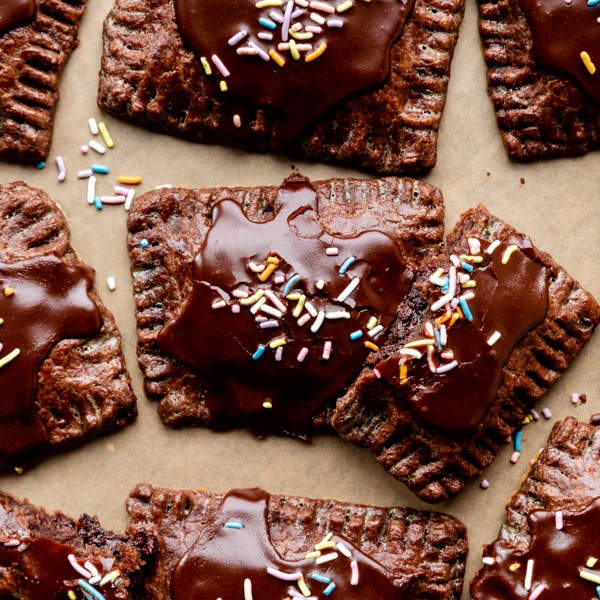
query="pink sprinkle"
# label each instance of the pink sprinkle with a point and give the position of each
(558, 519)
(219, 64)
(279, 279)
(314, 29)
(112, 199)
(515, 457)
(302, 354)
(237, 121)
(284, 576)
(354, 569)
(303, 320)
(537, 592)
(377, 373)
(332, 251)
(12, 543)
(575, 399)
(278, 353)
(73, 562)
(327, 350)
(235, 309)
(121, 191)
(276, 301)
(84, 149)
(326, 8)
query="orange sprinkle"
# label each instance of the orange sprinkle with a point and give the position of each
(316, 53)
(268, 271)
(587, 61)
(277, 57)
(455, 317)
(443, 318)
(8, 291)
(129, 179)
(371, 346)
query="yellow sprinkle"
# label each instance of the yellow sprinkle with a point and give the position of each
(278, 342)
(1, 320)
(129, 179)
(223, 85)
(206, 65)
(294, 296)
(267, 404)
(589, 576)
(371, 346)
(10, 356)
(71, 595)
(320, 545)
(273, 260)
(345, 6)
(19, 470)
(303, 587)
(267, 272)
(587, 61)
(266, 3)
(299, 307)
(252, 299)
(301, 35)
(508, 252)
(471, 259)
(419, 343)
(316, 53)
(455, 317)
(591, 562)
(403, 371)
(8, 291)
(514, 567)
(103, 129)
(314, 554)
(469, 284)
(372, 322)
(277, 57)
(294, 50)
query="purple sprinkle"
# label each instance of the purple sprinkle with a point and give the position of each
(546, 413)
(269, 324)
(485, 484)
(535, 414)
(335, 23)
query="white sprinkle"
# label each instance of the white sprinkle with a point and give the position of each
(348, 290)
(327, 352)
(220, 303)
(317, 18)
(447, 367)
(257, 305)
(324, 558)
(93, 125)
(272, 312)
(490, 249)
(375, 331)
(111, 283)
(97, 147)
(338, 314)
(410, 352)
(488, 560)
(344, 550)
(62, 169)
(247, 589)
(537, 592)
(129, 198)
(312, 311)
(84, 173)
(558, 519)
(474, 246)
(318, 322)
(320, 284)
(265, 35)
(494, 338)
(528, 574)
(91, 189)
(441, 302)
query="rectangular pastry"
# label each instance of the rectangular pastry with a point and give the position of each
(256, 307)
(488, 326)
(343, 81)
(250, 542)
(44, 556)
(546, 94)
(62, 373)
(36, 39)
(548, 547)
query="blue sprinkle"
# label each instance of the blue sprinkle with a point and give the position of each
(290, 284)
(355, 335)
(438, 338)
(234, 525)
(593, 2)
(346, 265)
(268, 23)
(518, 437)
(84, 585)
(327, 591)
(144, 243)
(598, 591)
(465, 308)
(103, 170)
(41, 165)
(466, 266)
(259, 352)
(321, 578)
(98, 203)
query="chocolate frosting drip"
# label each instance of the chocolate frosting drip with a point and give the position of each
(561, 31)
(357, 56)
(15, 13)
(45, 568)
(509, 298)
(558, 558)
(223, 557)
(42, 301)
(220, 344)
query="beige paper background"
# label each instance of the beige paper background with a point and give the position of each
(556, 203)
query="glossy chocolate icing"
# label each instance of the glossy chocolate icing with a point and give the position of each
(15, 13)
(50, 302)
(357, 56)
(510, 299)
(45, 568)
(219, 343)
(558, 557)
(561, 31)
(223, 557)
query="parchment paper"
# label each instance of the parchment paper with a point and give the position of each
(556, 203)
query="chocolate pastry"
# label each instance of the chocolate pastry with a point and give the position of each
(258, 307)
(486, 329)
(548, 547)
(350, 82)
(61, 370)
(543, 60)
(50, 556)
(36, 39)
(213, 545)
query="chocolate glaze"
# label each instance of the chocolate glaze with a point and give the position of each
(219, 344)
(50, 302)
(45, 569)
(222, 558)
(558, 556)
(560, 32)
(357, 57)
(15, 13)
(511, 299)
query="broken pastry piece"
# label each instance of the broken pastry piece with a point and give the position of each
(488, 326)
(257, 307)
(47, 556)
(548, 547)
(546, 93)
(356, 83)
(36, 39)
(62, 374)
(248, 542)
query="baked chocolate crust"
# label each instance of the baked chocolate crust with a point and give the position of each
(147, 77)
(129, 554)
(430, 547)
(83, 388)
(434, 465)
(540, 114)
(564, 477)
(32, 58)
(175, 222)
